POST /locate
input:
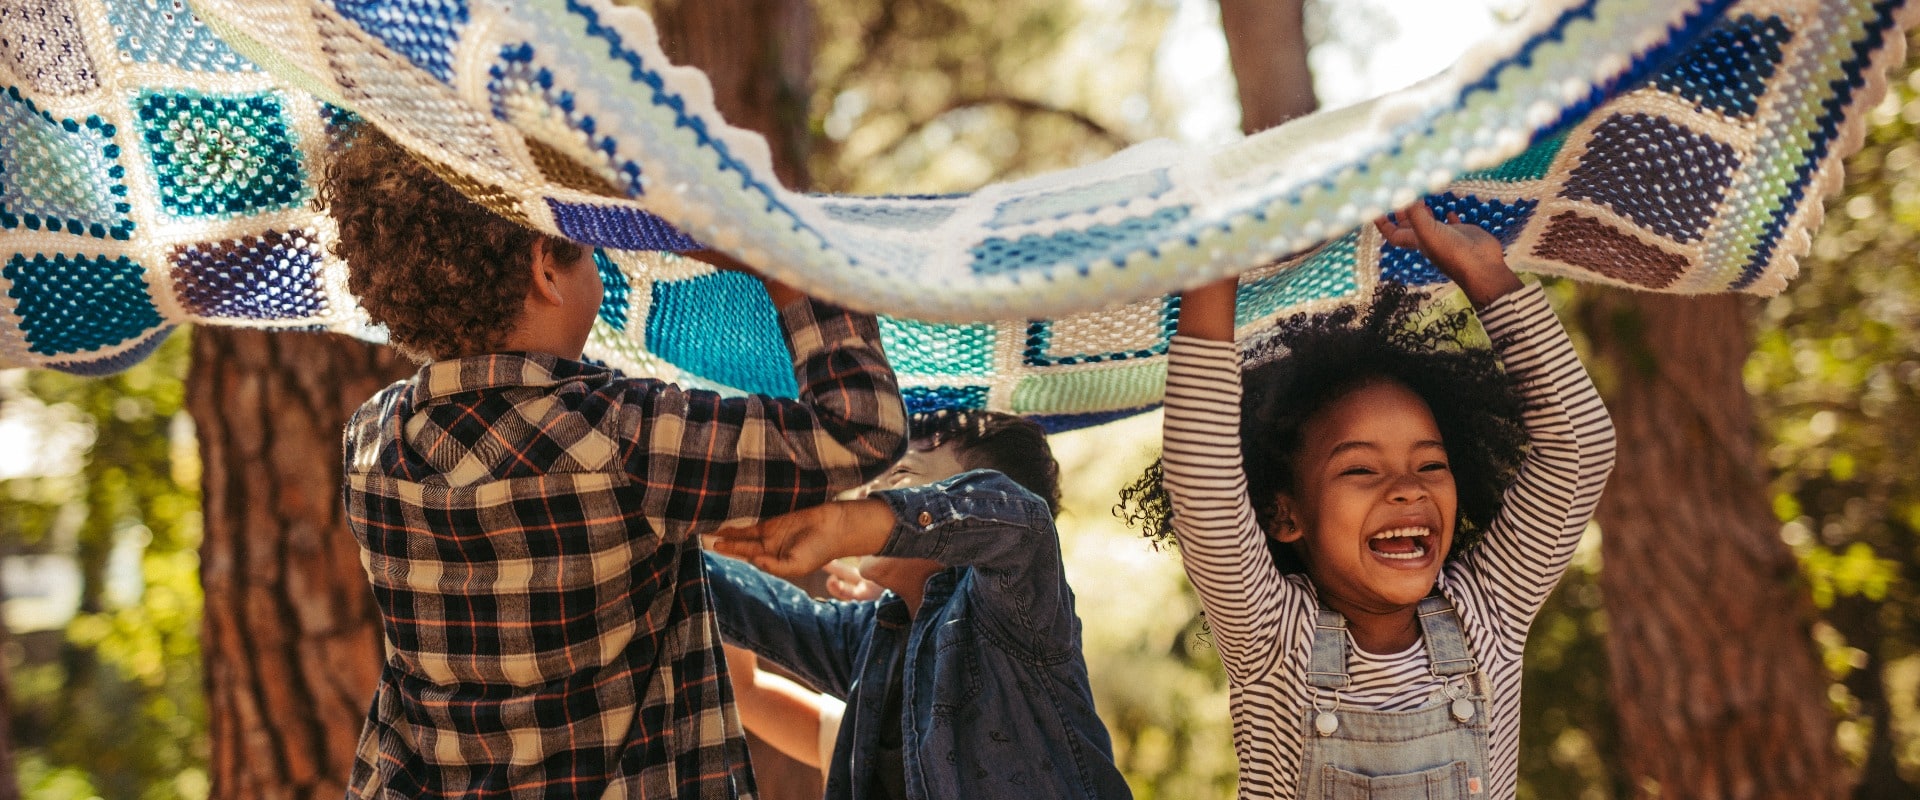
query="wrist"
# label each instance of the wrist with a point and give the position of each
(1486, 288)
(867, 525)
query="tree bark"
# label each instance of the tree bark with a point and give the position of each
(1267, 43)
(291, 636)
(1716, 684)
(759, 56)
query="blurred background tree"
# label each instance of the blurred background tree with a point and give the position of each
(1836, 377)
(100, 493)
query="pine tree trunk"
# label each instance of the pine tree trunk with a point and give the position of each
(1716, 683)
(1267, 43)
(759, 56)
(291, 636)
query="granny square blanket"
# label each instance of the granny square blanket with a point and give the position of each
(157, 163)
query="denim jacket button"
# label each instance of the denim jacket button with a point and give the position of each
(926, 518)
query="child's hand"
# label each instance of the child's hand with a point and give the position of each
(796, 544)
(845, 582)
(1465, 253)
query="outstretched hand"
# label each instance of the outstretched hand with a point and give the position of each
(845, 582)
(796, 544)
(1468, 255)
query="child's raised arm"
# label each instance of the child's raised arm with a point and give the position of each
(1222, 547)
(705, 459)
(1544, 512)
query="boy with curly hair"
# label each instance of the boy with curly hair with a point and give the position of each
(528, 519)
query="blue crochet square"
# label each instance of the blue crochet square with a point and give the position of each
(167, 32)
(1499, 218)
(118, 362)
(60, 175)
(77, 303)
(425, 31)
(1656, 172)
(618, 227)
(1080, 248)
(40, 43)
(924, 400)
(221, 155)
(275, 275)
(723, 328)
(1728, 70)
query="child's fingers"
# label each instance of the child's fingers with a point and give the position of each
(1420, 218)
(739, 530)
(843, 572)
(743, 549)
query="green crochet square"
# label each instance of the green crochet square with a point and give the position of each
(221, 155)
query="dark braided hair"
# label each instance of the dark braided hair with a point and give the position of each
(1308, 363)
(1011, 445)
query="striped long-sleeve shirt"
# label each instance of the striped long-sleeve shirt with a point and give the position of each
(1263, 621)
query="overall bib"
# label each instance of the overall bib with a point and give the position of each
(1438, 752)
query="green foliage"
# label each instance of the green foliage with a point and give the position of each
(111, 704)
(1836, 380)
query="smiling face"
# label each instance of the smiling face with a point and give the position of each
(1373, 508)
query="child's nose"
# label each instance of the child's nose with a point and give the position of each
(1407, 488)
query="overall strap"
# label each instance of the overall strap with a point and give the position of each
(1447, 653)
(1327, 669)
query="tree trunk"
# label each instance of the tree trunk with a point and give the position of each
(759, 56)
(292, 638)
(1267, 43)
(1716, 684)
(9, 777)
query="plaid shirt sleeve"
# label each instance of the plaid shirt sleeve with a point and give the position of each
(705, 459)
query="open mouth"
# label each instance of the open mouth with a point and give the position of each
(1402, 544)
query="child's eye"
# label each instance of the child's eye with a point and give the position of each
(1435, 466)
(1357, 471)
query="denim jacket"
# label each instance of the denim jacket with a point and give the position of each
(996, 702)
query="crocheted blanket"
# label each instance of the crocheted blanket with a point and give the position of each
(156, 167)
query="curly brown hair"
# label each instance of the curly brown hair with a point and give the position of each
(446, 276)
(1309, 363)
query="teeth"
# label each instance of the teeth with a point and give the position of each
(1402, 533)
(1418, 551)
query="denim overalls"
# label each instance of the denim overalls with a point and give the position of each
(1433, 753)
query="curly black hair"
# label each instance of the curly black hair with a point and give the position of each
(1011, 445)
(444, 274)
(1307, 363)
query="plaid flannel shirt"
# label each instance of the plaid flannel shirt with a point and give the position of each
(528, 526)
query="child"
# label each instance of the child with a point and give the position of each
(1368, 584)
(966, 679)
(526, 518)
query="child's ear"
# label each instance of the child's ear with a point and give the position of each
(544, 280)
(1285, 522)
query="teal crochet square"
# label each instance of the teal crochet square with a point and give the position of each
(60, 175)
(77, 303)
(1325, 275)
(721, 327)
(221, 155)
(930, 348)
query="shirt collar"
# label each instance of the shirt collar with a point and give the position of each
(440, 380)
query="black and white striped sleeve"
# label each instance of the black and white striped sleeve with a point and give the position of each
(1222, 547)
(1546, 509)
